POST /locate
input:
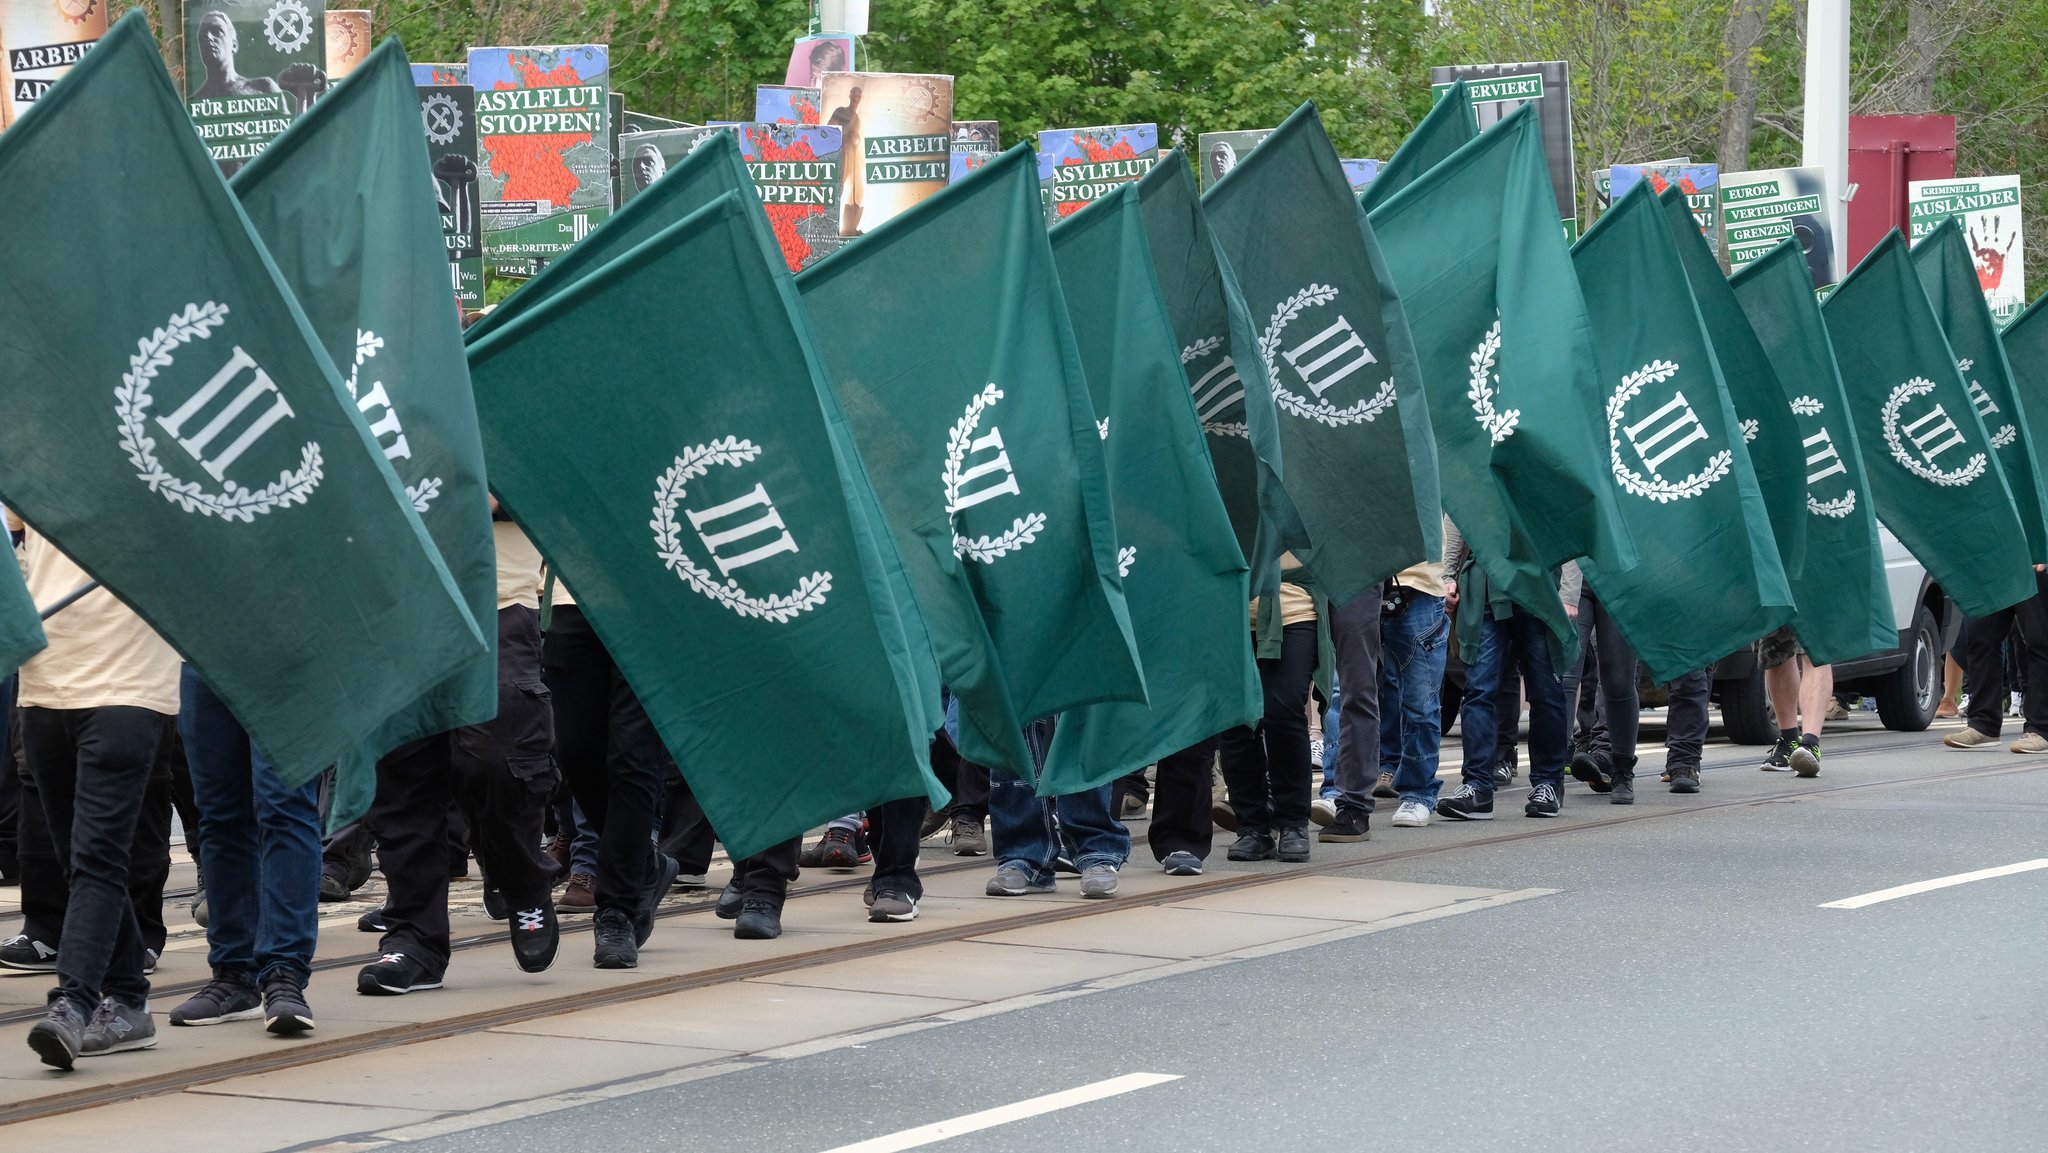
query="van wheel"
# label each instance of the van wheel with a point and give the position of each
(1746, 709)
(1907, 695)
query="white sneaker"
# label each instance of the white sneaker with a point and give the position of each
(1411, 815)
(1322, 810)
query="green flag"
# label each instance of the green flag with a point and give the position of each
(2025, 342)
(1845, 607)
(175, 426)
(1183, 575)
(1354, 427)
(1752, 379)
(1709, 580)
(946, 339)
(1936, 484)
(21, 631)
(1219, 352)
(342, 201)
(1949, 274)
(717, 560)
(1449, 126)
(1506, 351)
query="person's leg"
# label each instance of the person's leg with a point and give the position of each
(1286, 732)
(1685, 735)
(766, 875)
(1180, 803)
(637, 763)
(688, 836)
(1021, 824)
(1089, 825)
(218, 765)
(892, 838)
(1244, 770)
(2033, 641)
(505, 774)
(578, 673)
(1424, 632)
(10, 790)
(288, 847)
(1550, 718)
(410, 814)
(149, 857)
(1333, 739)
(1985, 665)
(1355, 634)
(1782, 682)
(44, 892)
(1621, 710)
(1478, 716)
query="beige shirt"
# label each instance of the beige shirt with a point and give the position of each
(518, 567)
(1426, 578)
(101, 654)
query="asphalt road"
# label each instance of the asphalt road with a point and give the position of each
(1683, 990)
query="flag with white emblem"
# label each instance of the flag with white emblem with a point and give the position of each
(21, 632)
(1184, 578)
(185, 438)
(1937, 484)
(1707, 580)
(344, 202)
(1845, 607)
(705, 531)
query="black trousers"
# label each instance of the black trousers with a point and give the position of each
(766, 875)
(1685, 719)
(499, 774)
(1181, 818)
(892, 838)
(92, 770)
(1607, 663)
(967, 781)
(1984, 670)
(1267, 766)
(686, 834)
(611, 757)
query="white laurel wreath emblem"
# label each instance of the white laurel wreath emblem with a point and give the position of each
(368, 345)
(1839, 508)
(1654, 488)
(1125, 558)
(1953, 478)
(696, 461)
(1102, 428)
(231, 502)
(1498, 425)
(2004, 436)
(1320, 411)
(1022, 531)
(1749, 430)
(1807, 406)
(288, 26)
(1195, 352)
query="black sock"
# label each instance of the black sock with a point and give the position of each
(1789, 736)
(1810, 740)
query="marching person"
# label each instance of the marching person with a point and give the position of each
(1984, 673)
(1031, 832)
(1267, 766)
(1801, 692)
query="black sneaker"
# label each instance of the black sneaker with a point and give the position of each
(1685, 779)
(494, 903)
(1465, 803)
(1591, 768)
(838, 851)
(1505, 770)
(1544, 801)
(891, 905)
(729, 901)
(1351, 825)
(1805, 756)
(394, 975)
(285, 1011)
(59, 1036)
(536, 934)
(1624, 785)
(24, 952)
(665, 870)
(934, 820)
(811, 856)
(1780, 760)
(760, 920)
(373, 921)
(1252, 845)
(117, 1028)
(1292, 845)
(223, 999)
(333, 887)
(615, 947)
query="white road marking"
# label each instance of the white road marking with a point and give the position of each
(1917, 887)
(1005, 1114)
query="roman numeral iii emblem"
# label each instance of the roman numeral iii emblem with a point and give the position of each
(1930, 434)
(1934, 433)
(1217, 390)
(1332, 355)
(1664, 433)
(988, 477)
(1822, 461)
(742, 524)
(1981, 397)
(208, 437)
(1658, 437)
(987, 480)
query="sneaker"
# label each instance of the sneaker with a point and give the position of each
(2028, 743)
(494, 904)
(1805, 756)
(760, 919)
(614, 946)
(24, 952)
(1181, 863)
(59, 1036)
(1015, 881)
(969, 837)
(1969, 738)
(1544, 801)
(1685, 779)
(1252, 845)
(811, 856)
(1098, 881)
(1292, 844)
(1466, 804)
(200, 910)
(838, 852)
(729, 901)
(222, 1000)
(285, 1012)
(1351, 825)
(580, 896)
(393, 975)
(1315, 750)
(373, 921)
(892, 905)
(1384, 787)
(117, 1028)
(1322, 810)
(1780, 760)
(1133, 806)
(1411, 815)
(934, 820)
(1590, 768)
(1837, 713)
(1506, 770)
(1223, 815)
(536, 935)
(333, 887)
(691, 883)
(1065, 864)
(149, 959)
(665, 869)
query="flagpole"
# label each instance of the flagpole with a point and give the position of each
(68, 600)
(1826, 142)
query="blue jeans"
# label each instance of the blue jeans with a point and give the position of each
(1414, 641)
(1549, 720)
(260, 845)
(1023, 823)
(1332, 730)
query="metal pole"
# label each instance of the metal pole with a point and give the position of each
(68, 599)
(1827, 111)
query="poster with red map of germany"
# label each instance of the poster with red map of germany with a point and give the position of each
(543, 126)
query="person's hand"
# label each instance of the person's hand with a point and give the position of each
(1571, 612)
(1450, 593)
